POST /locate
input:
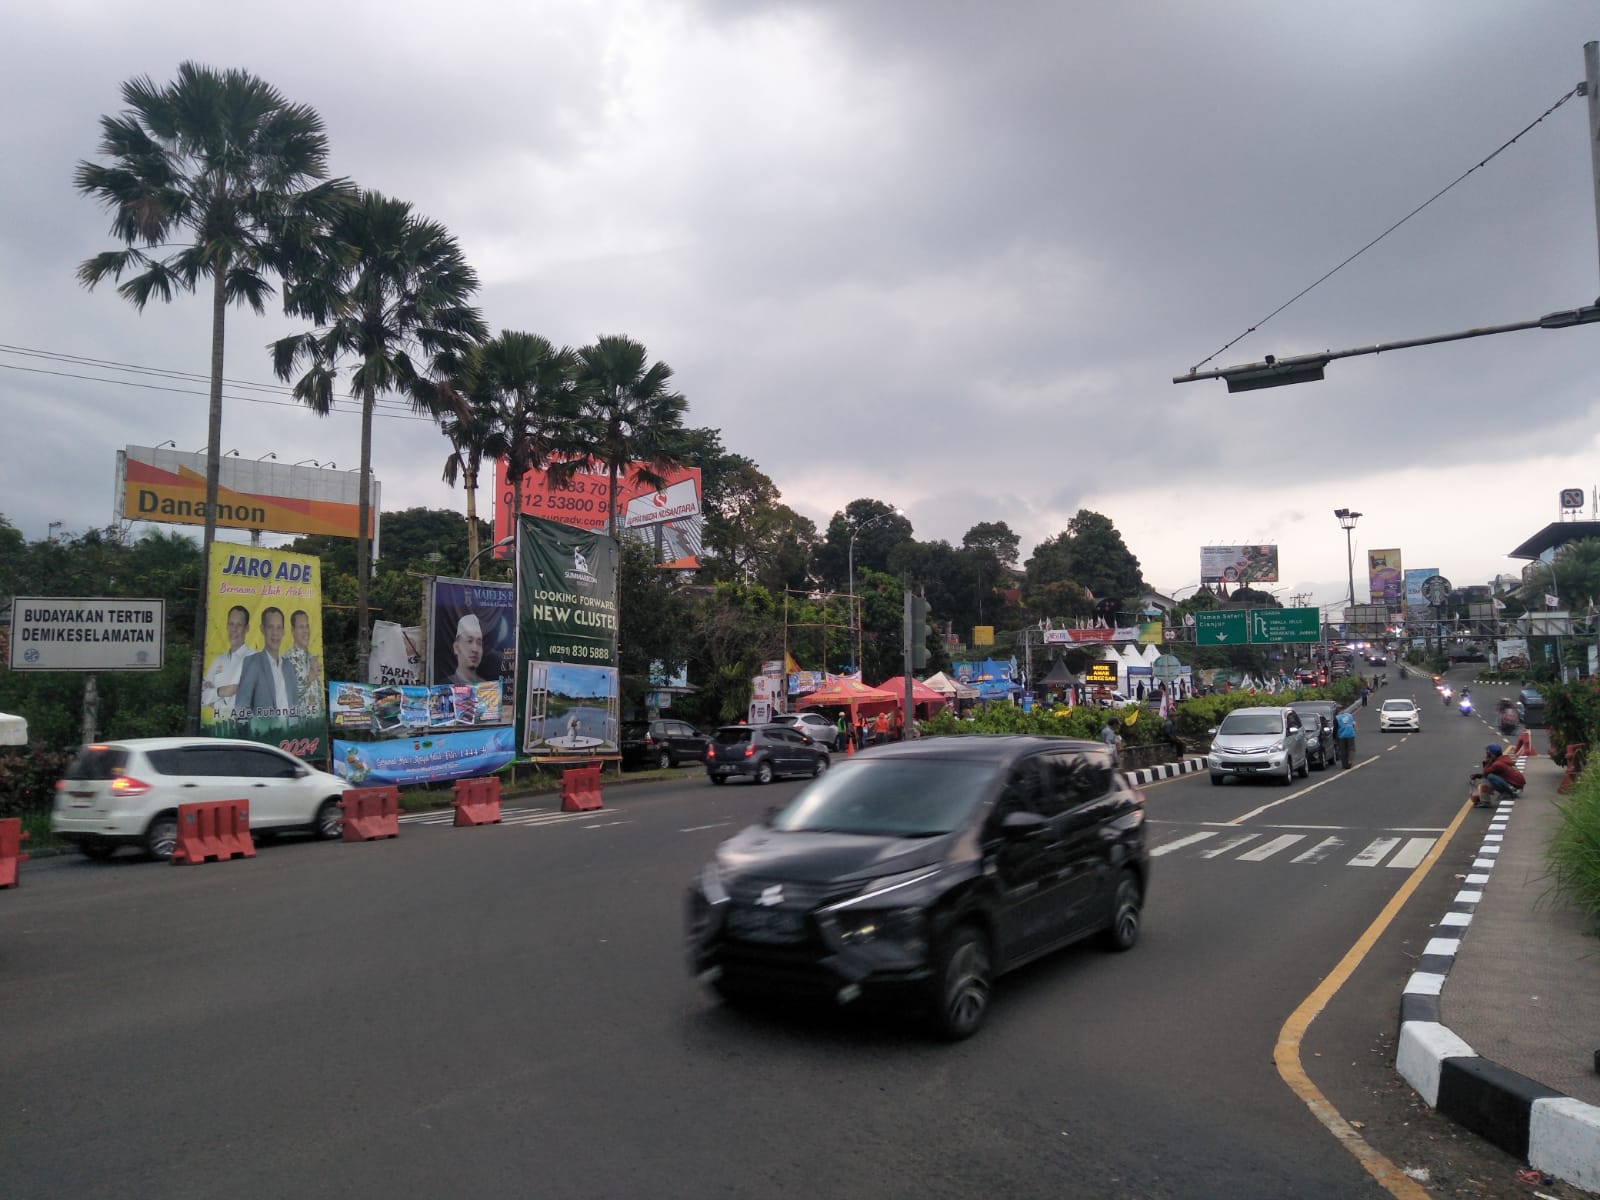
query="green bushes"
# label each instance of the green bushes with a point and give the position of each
(1574, 853)
(1572, 715)
(28, 778)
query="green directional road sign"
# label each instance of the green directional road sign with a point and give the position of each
(1221, 628)
(1284, 625)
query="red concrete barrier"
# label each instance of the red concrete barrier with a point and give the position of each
(1576, 755)
(218, 829)
(11, 838)
(580, 789)
(371, 813)
(478, 801)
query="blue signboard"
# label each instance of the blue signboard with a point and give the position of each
(427, 758)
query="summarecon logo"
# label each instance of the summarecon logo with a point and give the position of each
(580, 572)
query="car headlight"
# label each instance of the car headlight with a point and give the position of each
(858, 927)
(711, 886)
(1275, 748)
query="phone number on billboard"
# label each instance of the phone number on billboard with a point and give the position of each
(581, 651)
(562, 501)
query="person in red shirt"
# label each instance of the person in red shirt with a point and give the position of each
(1497, 777)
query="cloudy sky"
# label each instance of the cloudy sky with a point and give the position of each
(948, 255)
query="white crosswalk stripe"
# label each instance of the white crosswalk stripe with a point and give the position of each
(511, 816)
(1404, 853)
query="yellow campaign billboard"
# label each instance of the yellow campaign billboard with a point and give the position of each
(983, 635)
(264, 678)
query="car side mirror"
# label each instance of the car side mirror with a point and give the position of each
(1212, 732)
(302, 772)
(1020, 826)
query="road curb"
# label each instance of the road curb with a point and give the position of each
(1550, 1131)
(1165, 770)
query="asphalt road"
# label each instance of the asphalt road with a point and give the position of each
(505, 1011)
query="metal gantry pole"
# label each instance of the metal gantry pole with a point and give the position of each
(1591, 74)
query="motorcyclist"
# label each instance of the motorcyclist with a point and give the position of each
(1445, 692)
(1498, 776)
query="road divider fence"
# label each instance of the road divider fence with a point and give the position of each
(371, 813)
(580, 789)
(478, 801)
(12, 835)
(218, 829)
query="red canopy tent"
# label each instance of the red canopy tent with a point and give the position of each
(853, 695)
(921, 694)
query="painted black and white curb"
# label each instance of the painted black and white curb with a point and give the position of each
(1169, 770)
(1548, 1130)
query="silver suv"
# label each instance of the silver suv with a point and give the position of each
(1259, 741)
(127, 793)
(814, 725)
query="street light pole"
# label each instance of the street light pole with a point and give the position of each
(855, 614)
(505, 541)
(1347, 522)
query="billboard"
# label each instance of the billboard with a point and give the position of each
(1385, 582)
(169, 487)
(472, 632)
(263, 641)
(78, 633)
(566, 649)
(408, 735)
(1238, 564)
(670, 519)
(1415, 600)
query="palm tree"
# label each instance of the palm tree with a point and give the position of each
(535, 388)
(633, 421)
(394, 303)
(471, 422)
(212, 177)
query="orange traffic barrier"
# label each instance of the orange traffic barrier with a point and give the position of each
(1524, 746)
(478, 801)
(371, 813)
(12, 836)
(1576, 754)
(218, 829)
(580, 789)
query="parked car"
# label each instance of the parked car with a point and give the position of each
(1399, 713)
(1259, 742)
(761, 753)
(127, 793)
(1317, 717)
(916, 873)
(662, 743)
(1530, 707)
(814, 725)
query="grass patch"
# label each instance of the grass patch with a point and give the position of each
(37, 826)
(1574, 853)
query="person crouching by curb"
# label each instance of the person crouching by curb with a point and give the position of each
(1498, 778)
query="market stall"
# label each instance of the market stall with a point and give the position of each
(925, 701)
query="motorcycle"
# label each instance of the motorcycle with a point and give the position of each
(1466, 706)
(1446, 694)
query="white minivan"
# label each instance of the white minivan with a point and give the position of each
(127, 793)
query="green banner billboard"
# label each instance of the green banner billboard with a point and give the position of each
(567, 693)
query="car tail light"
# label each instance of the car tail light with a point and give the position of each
(711, 750)
(648, 740)
(126, 785)
(750, 750)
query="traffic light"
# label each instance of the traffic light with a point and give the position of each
(919, 632)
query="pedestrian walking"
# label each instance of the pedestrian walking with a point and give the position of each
(1344, 725)
(1112, 739)
(1364, 694)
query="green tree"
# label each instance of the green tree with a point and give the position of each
(395, 304)
(750, 534)
(533, 389)
(1090, 553)
(470, 421)
(633, 421)
(212, 177)
(876, 529)
(1577, 578)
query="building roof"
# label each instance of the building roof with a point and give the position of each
(1557, 533)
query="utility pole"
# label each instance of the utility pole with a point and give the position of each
(1591, 84)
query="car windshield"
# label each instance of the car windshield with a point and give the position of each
(1398, 706)
(888, 797)
(1252, 723)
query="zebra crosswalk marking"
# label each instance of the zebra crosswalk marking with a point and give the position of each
(1232, 843)
(1169, 847)
(1320, 851)
(1267, 849)
(1374, 853)
(1412, 853)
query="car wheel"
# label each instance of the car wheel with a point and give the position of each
(821, 765)
(1216, 780)
(964, 982)
(764, 773)
(330, 821)
(161, 836)
(718, 780)
(1288, 772)
(664, 760)
(1126, 909)
(98, 849)
(1305, 767)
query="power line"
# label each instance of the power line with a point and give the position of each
(1576, 91)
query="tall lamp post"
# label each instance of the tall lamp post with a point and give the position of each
(854, 613)
(1347, 522)
(505, 541)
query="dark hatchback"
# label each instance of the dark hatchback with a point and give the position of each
(916, 873)
(1321, 742)
(661, 743)
(761, 753)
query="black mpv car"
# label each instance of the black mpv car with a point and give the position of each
(920, 871)
(761, 753)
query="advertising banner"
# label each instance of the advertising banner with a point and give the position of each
(1385, 579)
(1103, 672)
(1414, 579)
(472, 635)
(1511, 654)
(1238, 564)
(390, 711)
(169, 487)
(264, 676)
(76, 633)
(566, 649)
(430, 758)
(670, 519)
(396, 654)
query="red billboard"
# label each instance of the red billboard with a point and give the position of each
(670, 516)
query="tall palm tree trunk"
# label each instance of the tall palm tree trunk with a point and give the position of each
(363, 538)
(219, 313)
(469, 480)
(611, 517)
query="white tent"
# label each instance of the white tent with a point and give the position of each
(13, 730)
(953, 688)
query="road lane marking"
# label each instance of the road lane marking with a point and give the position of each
(1374, 854)
(1305, 791)
(1267, 849)
(1169, 847)
(1412, 852)
(1286, 1054)
(1320, 851)
(1232, 843)
(698, 828)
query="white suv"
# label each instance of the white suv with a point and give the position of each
(1268, 742)
(1399, 714)
(128, 792)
